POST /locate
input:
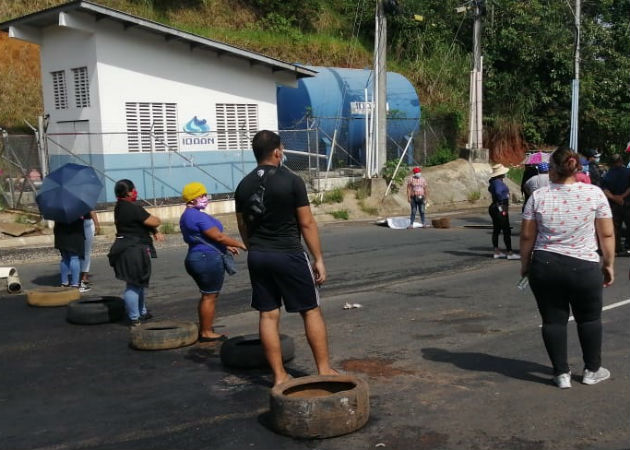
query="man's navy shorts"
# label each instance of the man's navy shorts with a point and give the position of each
(279, 278)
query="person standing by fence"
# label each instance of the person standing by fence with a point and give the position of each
(131, 253)
(417, 192)
(91, 228)
(499, 212)
(273, 214)
(209, 256)
(70, 241)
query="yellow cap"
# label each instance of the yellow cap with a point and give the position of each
(193, 190)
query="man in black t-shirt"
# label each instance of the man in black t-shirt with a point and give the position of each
(279, 268)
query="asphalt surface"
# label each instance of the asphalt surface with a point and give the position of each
(450, 348)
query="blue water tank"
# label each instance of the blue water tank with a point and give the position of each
(332, 100)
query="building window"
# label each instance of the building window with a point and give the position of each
(151, 126)
(81, 87)
(236, 125)
(59, 89)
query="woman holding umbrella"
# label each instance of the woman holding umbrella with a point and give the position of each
(131, 254)
(70, 241)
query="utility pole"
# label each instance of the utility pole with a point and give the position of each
(380, 88)
(575, 84)
(475, 134)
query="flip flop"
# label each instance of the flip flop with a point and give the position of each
(221, 338)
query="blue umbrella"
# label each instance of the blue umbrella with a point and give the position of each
(68, 193)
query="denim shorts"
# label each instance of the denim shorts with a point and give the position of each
(207, 269)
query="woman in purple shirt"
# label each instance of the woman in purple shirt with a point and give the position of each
(208, 247)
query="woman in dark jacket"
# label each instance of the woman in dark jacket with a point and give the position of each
(131, 254)
(70, 241)
(499, 212)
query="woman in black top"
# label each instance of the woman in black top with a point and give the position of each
(131, 254)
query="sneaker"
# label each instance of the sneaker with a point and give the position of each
(83, 287)
(514, 256)
(498, 255)
(563, 381)
(64, 285)
(145, 317)
(595, 377)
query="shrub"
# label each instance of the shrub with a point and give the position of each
(340, 214)
(442, 155)
(399, 177)
(334, 196)
(516, 174)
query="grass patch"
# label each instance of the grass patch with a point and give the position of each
(24, 220)
(334, 196)
(473, 196)
(369, 210)
(340, 214)
(362, 192)
(168, 228)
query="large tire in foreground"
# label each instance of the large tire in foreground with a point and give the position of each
(52, 296)
(319, 406)
(164, 335)
(93, 310)
(246, 352)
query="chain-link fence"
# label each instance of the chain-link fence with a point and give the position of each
(161, 162)
(20, 171)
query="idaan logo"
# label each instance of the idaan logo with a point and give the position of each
(197, 127)
(197, 131)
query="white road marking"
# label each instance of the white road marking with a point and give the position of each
(611, 306)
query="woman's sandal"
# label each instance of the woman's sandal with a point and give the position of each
(221, 338)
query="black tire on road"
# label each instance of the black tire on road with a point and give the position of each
(93, 310)
(52, 296)
(246, 352)
(164, 335)
(319, 406)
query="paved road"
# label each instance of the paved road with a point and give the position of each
(451, 349)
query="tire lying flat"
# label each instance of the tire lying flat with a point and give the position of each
(164, 335)
(246, 352)
(319, 406)
(52, 296)
(94, 310)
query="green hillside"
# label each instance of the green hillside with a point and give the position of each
(527, 47)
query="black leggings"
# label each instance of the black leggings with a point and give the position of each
(500, 222)
(560, 282)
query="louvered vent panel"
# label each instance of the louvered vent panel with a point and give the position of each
(236, 125)
(151, 126)
(60, 92)
(81, 87)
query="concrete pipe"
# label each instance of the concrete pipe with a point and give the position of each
(8, 271)
(13, 284)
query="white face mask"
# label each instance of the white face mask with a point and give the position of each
(597, 159)
(201, 202)
(283, 160)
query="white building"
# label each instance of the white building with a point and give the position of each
(144, 101)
